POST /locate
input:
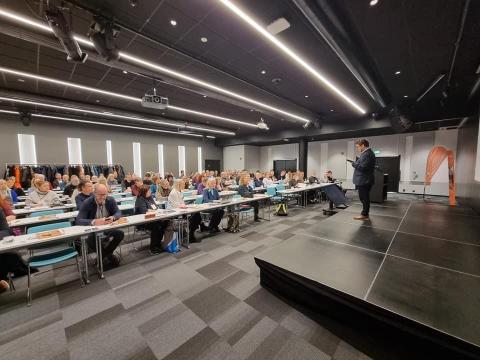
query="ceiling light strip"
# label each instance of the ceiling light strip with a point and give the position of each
(112, 125)
(245, 17)
(108, 114)
(177, 108)
(133, 59)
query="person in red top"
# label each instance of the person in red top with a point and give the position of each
(6, 206)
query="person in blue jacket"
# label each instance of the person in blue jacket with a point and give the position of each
(97, 210)
(210, 194)
(363, 176)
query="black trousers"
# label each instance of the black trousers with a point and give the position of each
(11, 262)
(255, 209)
(114, 238)
(195, 221)
(364, 195)
(157, 229)
(217, 215)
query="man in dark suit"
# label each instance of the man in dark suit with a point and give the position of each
(97, 210)
(363, 177)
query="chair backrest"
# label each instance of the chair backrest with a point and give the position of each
(46, 212)
(199, 200)
(271, 191)
(47, 227)
(236, 196)
(116, 196)
(281, 186)
(188, 193)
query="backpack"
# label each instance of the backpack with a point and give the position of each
(281, 209)
(233, 224)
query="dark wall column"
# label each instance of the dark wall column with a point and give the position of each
(303, 155)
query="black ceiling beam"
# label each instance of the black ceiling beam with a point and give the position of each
(333, 22)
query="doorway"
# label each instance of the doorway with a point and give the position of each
(212, 165)
(390, 165)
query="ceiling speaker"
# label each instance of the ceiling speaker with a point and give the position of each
(399, 121)
(25, 118)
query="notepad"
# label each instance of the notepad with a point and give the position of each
(49, 234)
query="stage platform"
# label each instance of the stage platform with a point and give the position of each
(407, 282)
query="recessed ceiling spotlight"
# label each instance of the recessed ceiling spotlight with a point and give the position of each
(125, 72)
(204, 96)
(405, 96)
(287, 139)
(331, 110)
(306, 96)
(173, 22)
(397, 72)
(263, 72)
(97, 101)
(163, 113)
(373, 2)
(203, 39)
(20, 80)
(252, 110)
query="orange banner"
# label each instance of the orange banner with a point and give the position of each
(435, 158)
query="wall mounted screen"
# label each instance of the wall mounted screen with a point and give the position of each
(26, 149)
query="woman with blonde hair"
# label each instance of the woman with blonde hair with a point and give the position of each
(42, 195)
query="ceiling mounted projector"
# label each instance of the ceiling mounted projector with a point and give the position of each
(154, 101)
(262, 124)
(103, 33)
(61, 29)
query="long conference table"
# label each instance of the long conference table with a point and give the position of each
(303, 191)
(15, 243)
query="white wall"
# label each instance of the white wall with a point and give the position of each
(252, 158)
(323, 155)
(268, 154)
(234, 157)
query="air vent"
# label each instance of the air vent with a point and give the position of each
(278, 26)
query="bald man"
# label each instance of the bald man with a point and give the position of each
(102, 209)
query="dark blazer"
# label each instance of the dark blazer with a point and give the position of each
(88, 210)
(257, 182)
(80, 198)
(143, 204)
(364, 168)
(245, 191)
(210, 194)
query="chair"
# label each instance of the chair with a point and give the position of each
(116, 196)
(199, 200)
(272, 191)
(46, 212)
(50, 258)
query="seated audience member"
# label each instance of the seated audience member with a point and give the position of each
(267, 180)
(6, 193)
(86, 178)
(218, 185)
(101, 209)
(86, 190)
(201, 186)
(209, 195)
(128, 182)
(283, 173)
(94, 179)
(70, 188)
(144, 204)
(10, 262)
(163, 190)
(247, 192)
(328, 177)
(35, 177)
(313, 178)
(257, 181)
(6, 207)
(103, 181)
(137, 184)
(42, 195)
(11, 185)
(111, 180)
(175, 200)
(147, 179)
(56, 182)
(65, 180)
(170, 179)
(155, 183)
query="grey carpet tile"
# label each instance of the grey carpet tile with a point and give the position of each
(211, 303)
(270, 347)
(296, 348)
(268, 304)
(195, 347)
(217, 270)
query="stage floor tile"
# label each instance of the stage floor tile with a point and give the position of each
(378, 210)
(377, 221)
(362, 236)
(438, 252)
(442, 299)
(342, 267)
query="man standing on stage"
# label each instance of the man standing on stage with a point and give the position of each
(363, 177)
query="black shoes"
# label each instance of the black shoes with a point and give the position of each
(214, 230)
(155, 251)
(256, 219)
(112, 261)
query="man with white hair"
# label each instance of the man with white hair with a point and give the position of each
(102, 209)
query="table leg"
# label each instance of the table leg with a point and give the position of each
(188, 232)
(84, 248)
(99, 239)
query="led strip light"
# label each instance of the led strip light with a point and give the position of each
(133, 59)
(104, 124)
(292, 54)
(112, 115)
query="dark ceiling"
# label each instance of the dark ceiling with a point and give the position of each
(414, 37)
